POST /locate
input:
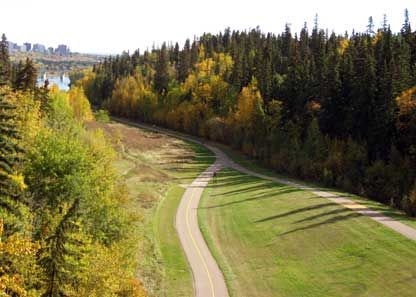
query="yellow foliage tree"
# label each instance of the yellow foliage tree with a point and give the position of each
(106, 276)
(27, 114)
(406, 121)
(17, 264)
(80, 104)
(247, 101)
(132, 98)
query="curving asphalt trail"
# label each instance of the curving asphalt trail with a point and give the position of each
(208, 278)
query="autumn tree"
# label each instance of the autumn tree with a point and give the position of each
(80, 104)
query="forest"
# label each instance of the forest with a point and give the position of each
(65, 219)
(338, 110)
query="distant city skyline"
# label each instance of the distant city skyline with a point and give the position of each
(109, 27)
(61, 49)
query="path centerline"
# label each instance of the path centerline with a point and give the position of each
(196, 246)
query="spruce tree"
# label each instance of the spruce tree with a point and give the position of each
(175, 55)
(162, 75)
(26, 76)
(63, 253)
(11, 182)
(4, 61)
(184, 63)
(370, 26)
(194, 53)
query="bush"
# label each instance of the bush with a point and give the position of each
(334, 164)
(328, 177)
(216, 128)
(354, 169)
(409, 202)
(377, 183)
(102, 116)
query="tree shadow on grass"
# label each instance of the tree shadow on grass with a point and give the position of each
(296, 211)
(254, 198)
(256, 187)
(351, 214)
(329, 213)
(325, 222)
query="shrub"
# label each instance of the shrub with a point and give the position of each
(354, 168)
(409, 202)
(328, 177)
(216, 128)
(102, 116)
(335, 163)
(377, 184)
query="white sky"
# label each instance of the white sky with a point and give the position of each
(110, 26)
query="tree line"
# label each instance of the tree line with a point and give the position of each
(65, 223)
(336, 109)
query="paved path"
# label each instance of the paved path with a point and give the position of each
(208, 278)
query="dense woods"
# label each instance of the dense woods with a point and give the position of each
(65, 221)
(336, 109)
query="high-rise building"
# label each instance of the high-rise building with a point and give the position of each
(62, 50)
(39, 48)
(12, 46)
(28, 46)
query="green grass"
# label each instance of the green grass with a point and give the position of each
(254, 165)
(274, 240)
(177, 279)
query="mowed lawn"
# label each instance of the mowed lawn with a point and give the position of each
(274, 240)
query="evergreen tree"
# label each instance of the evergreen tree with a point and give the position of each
(63, 254)
(194, 53)
(11, 182)
(4, 61)
(26, 76)
(184, 63)
(370, 26)
(175, 55)
(162, 74)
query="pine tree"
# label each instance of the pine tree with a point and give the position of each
(175, 55)
(334, 109)
(11, 182)
(370, 26)
(4, 61)
(184, 63)
(406, 29)
(63, 254)
(162, 75)
(194, 53)
(26, 76)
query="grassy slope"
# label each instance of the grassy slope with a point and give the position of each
(273, 240)
(156, 168)
(255, 166)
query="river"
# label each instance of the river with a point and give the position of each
(61, 80)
